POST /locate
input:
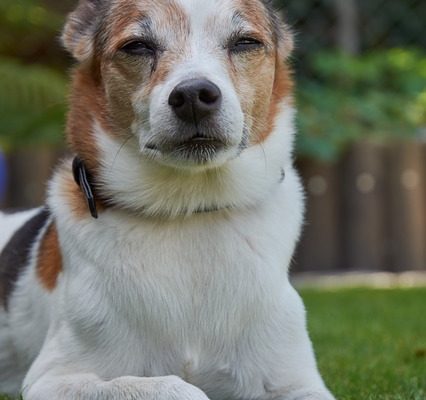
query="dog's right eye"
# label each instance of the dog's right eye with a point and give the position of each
(138, 48)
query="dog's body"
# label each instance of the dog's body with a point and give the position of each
(179, 290)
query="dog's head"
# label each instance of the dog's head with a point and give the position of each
(189, 84)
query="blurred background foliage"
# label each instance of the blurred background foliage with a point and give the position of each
(32, 73)
(373, 87)
(380, 95)
(32, 105)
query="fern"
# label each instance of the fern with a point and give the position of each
(32, 103)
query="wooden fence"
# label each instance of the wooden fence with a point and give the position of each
(366, 212)
(28, 172)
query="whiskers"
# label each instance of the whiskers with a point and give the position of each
(126, 140)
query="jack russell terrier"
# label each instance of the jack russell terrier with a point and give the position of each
(158, 269)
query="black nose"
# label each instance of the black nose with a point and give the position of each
(195, 99)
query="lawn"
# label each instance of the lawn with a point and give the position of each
(371, 344)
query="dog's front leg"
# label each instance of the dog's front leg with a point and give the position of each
(320, 393)
(90, 387)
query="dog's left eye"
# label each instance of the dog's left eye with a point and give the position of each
(138, 48)
(245, 44)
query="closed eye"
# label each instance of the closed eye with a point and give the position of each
(244, 44)
(139, 48)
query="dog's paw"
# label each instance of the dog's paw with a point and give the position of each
(164, 388)
(311, 395)
(178, 389)
(304, 394)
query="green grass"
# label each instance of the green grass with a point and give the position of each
(370, 344)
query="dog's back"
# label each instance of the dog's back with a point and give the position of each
(11, 222)
(19, 235)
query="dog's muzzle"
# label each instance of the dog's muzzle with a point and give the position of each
(199, 137)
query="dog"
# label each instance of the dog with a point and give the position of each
(158, 268)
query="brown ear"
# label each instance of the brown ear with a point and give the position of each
(78, 34)
(283, 34)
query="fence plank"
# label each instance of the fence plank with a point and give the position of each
(407, 236)
(363, 185)
(319, 248)
(29, 170)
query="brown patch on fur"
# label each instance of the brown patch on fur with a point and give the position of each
(121, 15)
(255, 14)
(262, 78)
(87, 106)
(283, 87)
(89, 103)
(130, 13)
(112, 108)
(49, 264)
(262, 82)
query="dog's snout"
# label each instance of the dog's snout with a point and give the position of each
(195, 99)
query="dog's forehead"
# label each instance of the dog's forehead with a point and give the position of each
(200, 12)
(193, 15)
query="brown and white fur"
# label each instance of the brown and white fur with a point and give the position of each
(179, 290)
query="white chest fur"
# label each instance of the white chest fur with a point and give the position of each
(187, 297)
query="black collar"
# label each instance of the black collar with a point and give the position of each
(84, 180)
